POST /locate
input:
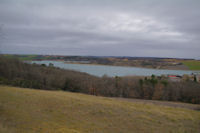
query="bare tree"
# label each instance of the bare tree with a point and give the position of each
(1, 37)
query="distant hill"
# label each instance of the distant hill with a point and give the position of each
(39, 111)
(146, 62)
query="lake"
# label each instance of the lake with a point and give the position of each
(100, 70)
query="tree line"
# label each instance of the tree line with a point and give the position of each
(17, 73)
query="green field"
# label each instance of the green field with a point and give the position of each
(21, 57)
(39, 111)
(192, 65)
(27, 57)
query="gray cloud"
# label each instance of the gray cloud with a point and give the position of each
(107, 27)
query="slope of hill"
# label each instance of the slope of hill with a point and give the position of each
(28, 110)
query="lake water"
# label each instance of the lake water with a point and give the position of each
(100, 70)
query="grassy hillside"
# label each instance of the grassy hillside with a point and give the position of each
(28, 110)
(193, 65)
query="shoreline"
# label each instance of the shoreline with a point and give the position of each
(93, 64)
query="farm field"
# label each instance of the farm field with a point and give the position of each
(28, 110)
(193, 65)
(26, 57)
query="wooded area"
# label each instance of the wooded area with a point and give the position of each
(17, 73)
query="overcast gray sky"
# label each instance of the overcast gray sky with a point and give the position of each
(155, 28)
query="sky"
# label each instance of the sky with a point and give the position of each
(141, 28)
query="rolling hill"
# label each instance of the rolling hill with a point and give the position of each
(39, 111)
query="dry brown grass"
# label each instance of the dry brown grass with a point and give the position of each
(38, 111)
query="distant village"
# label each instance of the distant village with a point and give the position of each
(177, 78)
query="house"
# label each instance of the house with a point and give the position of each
(198, 78)
(174, 78)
